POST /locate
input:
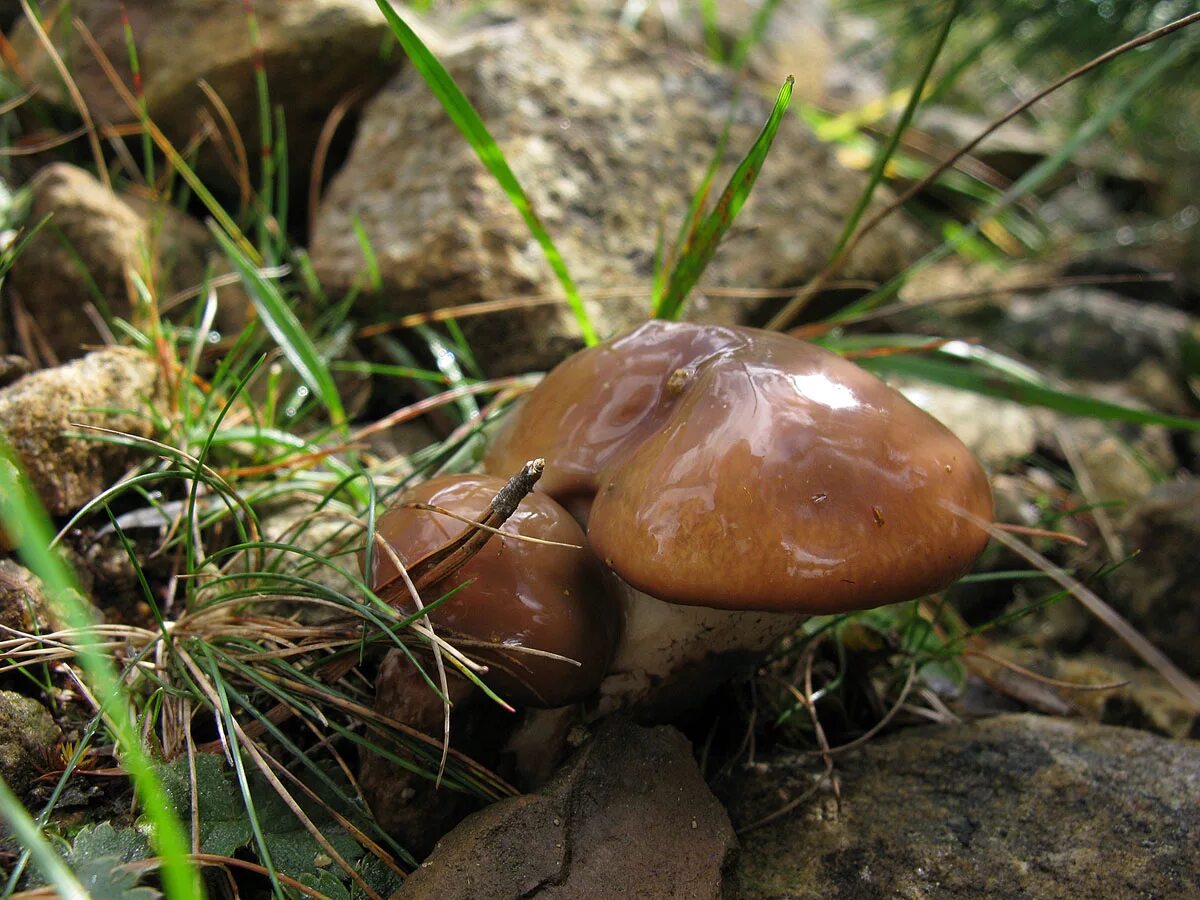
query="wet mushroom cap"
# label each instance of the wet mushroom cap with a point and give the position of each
(744, 469)
(521, 594)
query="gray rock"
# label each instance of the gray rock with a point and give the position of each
(1017, 806)
(606, 136)
(1159, 589)
(834, 57)
(91, 239)
(314, 53)
(23, 604)
(109, 388)
(26, 734)
(628, 816)
(1092, 334)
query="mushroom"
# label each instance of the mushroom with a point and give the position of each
(519, 596)
(735, 480)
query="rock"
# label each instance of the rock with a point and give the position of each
(837, 58)
(314, 52)
(91, 239)
(628, 816)
(26, 733)
(1092, 334)
(1015, 806)
(996, 431)
(23, 606)
(1147, 701)
(1121, 461)
(108, 388)
(606, 136)
(1159, 589)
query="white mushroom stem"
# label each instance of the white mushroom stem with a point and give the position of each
(670, 657)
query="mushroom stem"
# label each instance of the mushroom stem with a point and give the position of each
(670, 657)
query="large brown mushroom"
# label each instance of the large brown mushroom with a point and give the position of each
(748, 475)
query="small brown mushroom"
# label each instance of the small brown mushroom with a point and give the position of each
(743, 470)
(519, 595)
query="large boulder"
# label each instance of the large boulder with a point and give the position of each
(610, 138)
(1015, 806)
(314, 53)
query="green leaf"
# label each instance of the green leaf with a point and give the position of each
(997, 384)
(93, 842)
(100, 857)
(705, 238)
(463, 114)
(224, 828)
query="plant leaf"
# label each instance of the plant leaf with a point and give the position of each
(994, 383)
(707, 235)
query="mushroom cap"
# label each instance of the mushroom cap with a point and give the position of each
(521, 595)
(743, 469)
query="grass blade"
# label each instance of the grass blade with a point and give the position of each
(463, 114)
(707, 235)
(1031, 180)
(997, 384)
(886, 150)
(21, 825)
(287, 330)
(27, 524)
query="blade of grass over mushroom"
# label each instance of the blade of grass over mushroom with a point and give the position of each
(26, 522)
(707, 234)
(463, 114)
(886, 150)
(993, 383)
(685, 239)
(287, 331)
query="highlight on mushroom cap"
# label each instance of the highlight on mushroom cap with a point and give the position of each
(519, 595)
(743, 469)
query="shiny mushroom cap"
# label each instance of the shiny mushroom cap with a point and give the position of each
(743, 469)
(521, 594)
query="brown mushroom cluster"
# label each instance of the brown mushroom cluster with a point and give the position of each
(730, 480)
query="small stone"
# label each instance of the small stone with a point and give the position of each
(109, 388)
(23, 606)
(27, 732)
(315, 52)
(94, 239)
(1158, 590)
(628, 816)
